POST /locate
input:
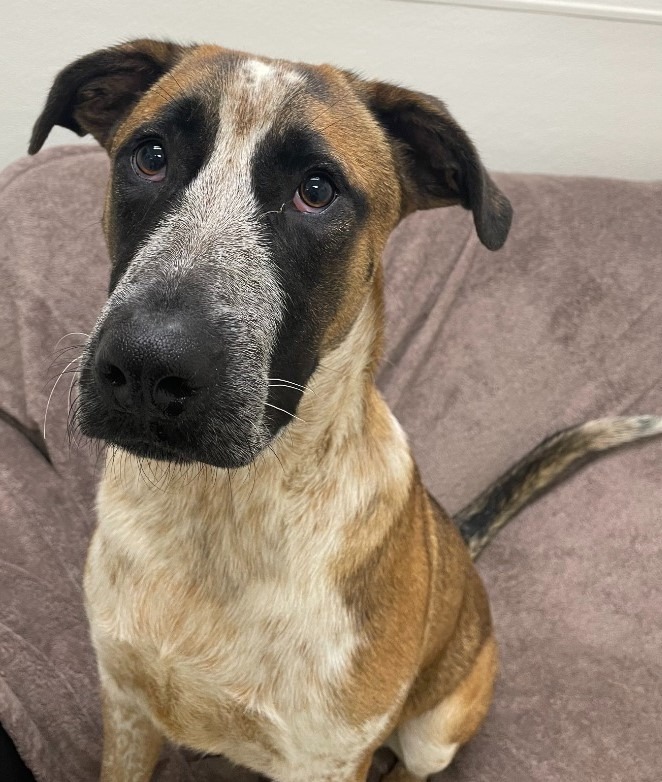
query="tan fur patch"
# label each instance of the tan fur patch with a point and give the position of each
(353, 135)
(427, 743)
(194, 70)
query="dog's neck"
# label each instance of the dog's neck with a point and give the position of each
(336, 403)
(344, 442)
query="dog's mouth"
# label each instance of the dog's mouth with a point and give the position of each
(199, 444)
(225, 426)
(214, 437)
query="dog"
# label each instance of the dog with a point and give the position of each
(269, 579)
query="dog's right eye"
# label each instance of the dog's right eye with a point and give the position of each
(149, 161)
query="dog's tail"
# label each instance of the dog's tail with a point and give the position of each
(554, 459)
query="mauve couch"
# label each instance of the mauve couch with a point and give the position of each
(487, 354)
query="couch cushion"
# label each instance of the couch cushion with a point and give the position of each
(487, 354)
(490, 353)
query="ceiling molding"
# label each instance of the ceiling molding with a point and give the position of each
(642, 12)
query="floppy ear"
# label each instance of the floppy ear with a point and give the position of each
(94, 93)
(437, 162)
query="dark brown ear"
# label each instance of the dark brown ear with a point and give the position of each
(438, 164)
(94, 93)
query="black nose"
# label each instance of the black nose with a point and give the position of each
(151, 364)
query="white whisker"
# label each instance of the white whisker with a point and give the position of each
(283, 385)
(50, 396)
(71, 386)
(287, 412)
(71, 334)
(69, 404)
(289, 382)
(274, 211)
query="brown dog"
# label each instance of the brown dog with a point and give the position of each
(295, 599)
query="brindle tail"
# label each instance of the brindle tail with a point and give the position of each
(554, 459)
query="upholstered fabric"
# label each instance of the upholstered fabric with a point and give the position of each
(487, 354)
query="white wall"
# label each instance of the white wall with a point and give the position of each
(537, 91)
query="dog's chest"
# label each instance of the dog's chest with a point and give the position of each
(248, 664)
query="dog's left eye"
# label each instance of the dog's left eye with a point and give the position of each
(314, 194)
(149, 161)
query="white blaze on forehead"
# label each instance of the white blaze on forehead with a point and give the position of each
(260, 71)
(252, 102)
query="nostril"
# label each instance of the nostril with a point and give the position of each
(171, 393)
(115, 383)
(173, 388)
(114, 375)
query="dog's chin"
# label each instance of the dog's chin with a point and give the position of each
(144, 449)
(220, 452)
(162, 452)
(181, 456)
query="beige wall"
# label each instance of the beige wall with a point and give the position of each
(537, 91)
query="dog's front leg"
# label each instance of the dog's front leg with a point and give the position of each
(131, 742)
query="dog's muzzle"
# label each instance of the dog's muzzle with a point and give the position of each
(176, 383)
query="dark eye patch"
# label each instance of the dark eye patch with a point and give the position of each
(309, 250)
(187, 128)
(283, 159)
(312, 252)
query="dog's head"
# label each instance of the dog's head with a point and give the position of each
(247, 210)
